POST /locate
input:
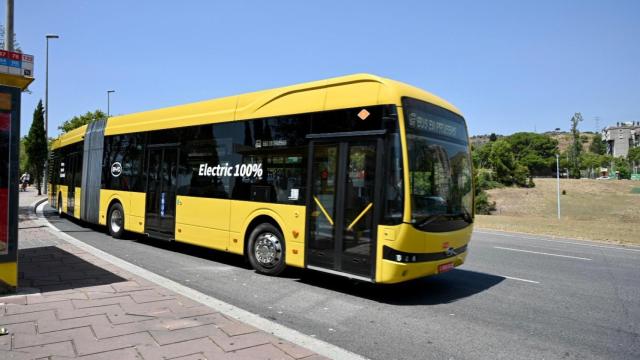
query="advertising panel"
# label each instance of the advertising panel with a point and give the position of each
(5, 161)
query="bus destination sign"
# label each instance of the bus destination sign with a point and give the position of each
(435, 126)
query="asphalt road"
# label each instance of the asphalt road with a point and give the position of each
(517, 297)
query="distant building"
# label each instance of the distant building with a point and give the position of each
(622, 137)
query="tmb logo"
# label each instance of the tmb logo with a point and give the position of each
(116, 169)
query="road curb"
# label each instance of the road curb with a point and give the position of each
(34, 205)
(318, 346)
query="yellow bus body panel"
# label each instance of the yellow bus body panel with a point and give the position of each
(406, 215)
(203, 222)
(77, 203)
(132, 204)
(74, 136)
(290, 219)
(330, 94)
(357, 93)
(294, 99)
(406, 238)
(106, 197)
(204, 112)
(135, 221)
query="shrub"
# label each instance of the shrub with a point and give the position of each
(521, 175)
(483, 205)
(485, 180)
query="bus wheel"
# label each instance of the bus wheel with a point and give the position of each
(115, 221)
(266, 249)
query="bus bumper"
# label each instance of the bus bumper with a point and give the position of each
(395, 272)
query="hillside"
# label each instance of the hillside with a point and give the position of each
(564, 139)
(605, 210)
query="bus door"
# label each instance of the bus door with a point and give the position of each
(71, 170)
(344, 187)
(162, 176)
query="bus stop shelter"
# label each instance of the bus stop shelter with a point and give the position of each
(16, 73)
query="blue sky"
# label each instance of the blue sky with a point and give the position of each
(508, 65)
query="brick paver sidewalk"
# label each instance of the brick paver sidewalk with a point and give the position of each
(78, 306)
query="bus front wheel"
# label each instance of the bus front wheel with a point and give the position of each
(115, 221)
(266, 249)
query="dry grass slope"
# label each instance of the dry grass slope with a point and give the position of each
(605, 210)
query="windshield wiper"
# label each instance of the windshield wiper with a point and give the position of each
(466, 216)
(431, 218)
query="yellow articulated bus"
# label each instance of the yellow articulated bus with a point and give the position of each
(359, 176)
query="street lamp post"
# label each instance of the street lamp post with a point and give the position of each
(46, 105)
(109, 101)
(558, 181)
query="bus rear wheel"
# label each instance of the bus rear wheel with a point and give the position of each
(266, 249)
(115, 221)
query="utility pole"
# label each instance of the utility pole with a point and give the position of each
(558, 181)
(46, 104)
(8, 36)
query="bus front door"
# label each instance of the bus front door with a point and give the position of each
(344, 185)
(162, 173)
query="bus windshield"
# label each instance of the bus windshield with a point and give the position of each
(440, 177)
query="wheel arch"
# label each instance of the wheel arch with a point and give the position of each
(258, 218)
(110, 201)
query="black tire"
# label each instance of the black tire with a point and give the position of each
(266, 249)
(115, 221)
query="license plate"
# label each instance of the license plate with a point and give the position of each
(445, 267)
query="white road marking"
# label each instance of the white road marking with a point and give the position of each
(622, 247)
(308, 341)
(541, 253)
(518, 279)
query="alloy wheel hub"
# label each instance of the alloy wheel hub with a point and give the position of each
(268, 250)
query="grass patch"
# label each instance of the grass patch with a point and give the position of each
(606, 210)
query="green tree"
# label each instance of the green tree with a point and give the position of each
(36, 146)
(598, 146)
(621, 168)
(535, 151)
(521, 176)
(24, 158)
(634, 158)
(576, 147)
(480, 155)
(16, 46)
(634, 154)
(590, 162)
(78, 121)
(502, 161)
